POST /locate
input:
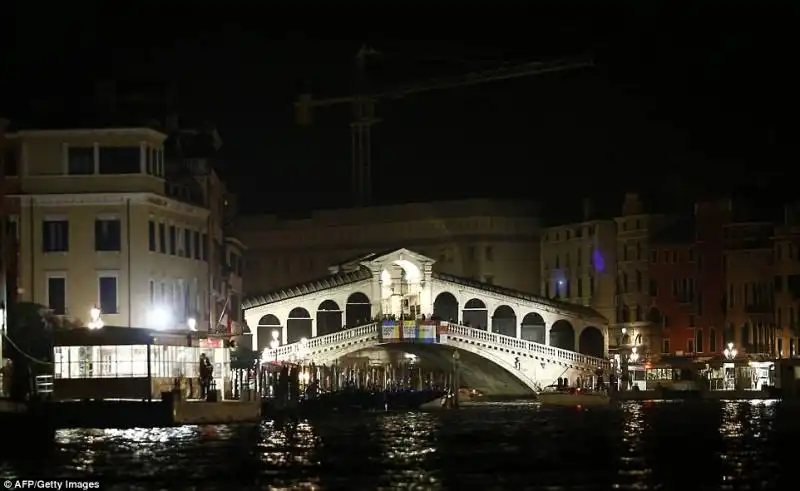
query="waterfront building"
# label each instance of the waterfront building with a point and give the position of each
(131, 221)
(493, 242)
(579, 263)
(787, 283)
(750, 275)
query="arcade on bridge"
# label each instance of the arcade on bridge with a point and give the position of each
(402, 283)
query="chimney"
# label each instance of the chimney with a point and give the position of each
(588, 212)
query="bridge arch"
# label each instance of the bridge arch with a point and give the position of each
(445, 307)
(266, 325)
(357, 309)
(591, 342)
(329, 318)
(534, 328)
(504, 321)
(476, 314)
(298, 325)
(562, 335)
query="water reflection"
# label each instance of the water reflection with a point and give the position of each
(634, 468)
(730, 445)
(747, 451)
(407, 442)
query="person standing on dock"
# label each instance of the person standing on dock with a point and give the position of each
(206, 374)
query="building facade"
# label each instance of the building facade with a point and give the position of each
(787, 283)
(102, 224)
(579, 264)
(632, 327)
(677, 307)
(750, 276)
(488, 241)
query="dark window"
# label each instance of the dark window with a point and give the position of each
(187, 242)
(120, 160)
(80, 161)
(108, 294)
(173, 234)
(11, 161)
(204, 248)
(12, 229)
(151, 235)
(57, 295)
(197, 245)
(55, 236)
(162, 238)
(107, 235)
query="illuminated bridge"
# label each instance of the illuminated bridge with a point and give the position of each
(492, 328)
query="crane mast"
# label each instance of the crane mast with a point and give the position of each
(364, 99)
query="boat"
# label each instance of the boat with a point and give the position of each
(466, 397)
(554, 395)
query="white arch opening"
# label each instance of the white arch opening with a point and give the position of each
(401, 288)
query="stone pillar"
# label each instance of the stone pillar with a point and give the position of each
(284, 332)
(519, 330)
(313, 327)
(547, 335)
(376, 298)
(426, 291)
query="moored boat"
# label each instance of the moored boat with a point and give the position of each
(560, 396)
(466, 397)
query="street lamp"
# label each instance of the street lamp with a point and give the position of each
(274, 343)
(730, 352)
(191, 322)
(159, 318)
(96, 322)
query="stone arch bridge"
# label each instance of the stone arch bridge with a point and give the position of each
(532, 339)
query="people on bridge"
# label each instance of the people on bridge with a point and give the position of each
(517, 363)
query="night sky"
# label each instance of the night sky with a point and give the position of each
(682, 102)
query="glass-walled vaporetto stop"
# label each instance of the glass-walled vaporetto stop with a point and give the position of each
(124, 363)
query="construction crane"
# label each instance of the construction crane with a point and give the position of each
(364, 99)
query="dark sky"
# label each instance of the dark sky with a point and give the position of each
(680, 100)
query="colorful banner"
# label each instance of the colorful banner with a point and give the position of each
(427, 332)
(391, 332)
(409, 330)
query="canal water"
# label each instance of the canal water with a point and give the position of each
(503, 446)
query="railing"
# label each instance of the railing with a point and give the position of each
(296, 349)
(44, 384)
(521, 344)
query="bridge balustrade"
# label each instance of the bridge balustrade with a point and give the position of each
(296, 349)
(320, 343)
(524, 345)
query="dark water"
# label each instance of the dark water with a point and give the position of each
(689, 446)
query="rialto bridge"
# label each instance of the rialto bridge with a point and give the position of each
(532, 338)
